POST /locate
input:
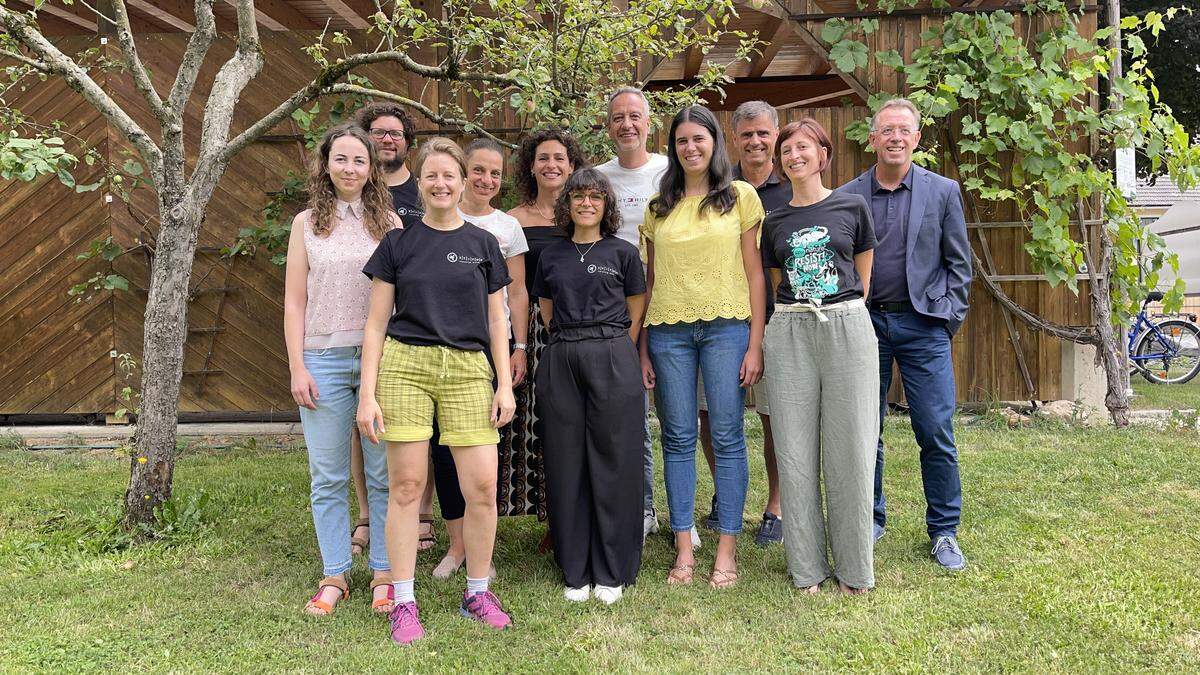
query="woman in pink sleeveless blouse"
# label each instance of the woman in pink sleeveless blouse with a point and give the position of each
(325, 309)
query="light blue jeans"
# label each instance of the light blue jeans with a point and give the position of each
(715, 349)
(327, 434)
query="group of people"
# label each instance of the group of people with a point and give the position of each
(515, 354)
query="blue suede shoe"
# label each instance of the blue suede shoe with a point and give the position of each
(947, 554)
(878, 531)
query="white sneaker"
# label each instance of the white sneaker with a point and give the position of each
(649, 524)
(577, 594)
(608, 594)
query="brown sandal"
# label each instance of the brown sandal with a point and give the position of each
(317, 603)
(425, 538)
(680, 575)
(383, 605)
(723, 578)
(361, 542)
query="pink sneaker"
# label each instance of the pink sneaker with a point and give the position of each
(406, 624)
(485, 608)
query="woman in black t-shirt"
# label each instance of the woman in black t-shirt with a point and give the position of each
(821, 351)
(440, 281)
(591, 291)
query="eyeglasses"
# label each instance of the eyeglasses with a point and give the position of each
(379, 134)
(903, 132)
(581, 197)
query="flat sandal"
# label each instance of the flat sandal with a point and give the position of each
(723, 578)
(681, 575)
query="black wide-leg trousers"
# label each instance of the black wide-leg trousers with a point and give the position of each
(591, 400)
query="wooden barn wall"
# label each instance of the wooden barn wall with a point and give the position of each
(56, 356)
(59, 351)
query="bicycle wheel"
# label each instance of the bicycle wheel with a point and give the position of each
(1169, 353)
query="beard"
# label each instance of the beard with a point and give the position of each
(393, 165)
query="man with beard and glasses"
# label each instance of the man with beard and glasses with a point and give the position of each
(391, 130)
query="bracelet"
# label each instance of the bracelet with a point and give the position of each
(520, 345)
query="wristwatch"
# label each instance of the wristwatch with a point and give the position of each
(520, 345)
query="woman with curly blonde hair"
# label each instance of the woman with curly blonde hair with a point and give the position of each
(325, 309)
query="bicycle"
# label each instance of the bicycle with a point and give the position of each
(1164, 352)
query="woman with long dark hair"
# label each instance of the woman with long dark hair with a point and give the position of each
(324, 309)
(544, 161)
(706, 312)
(591, 290)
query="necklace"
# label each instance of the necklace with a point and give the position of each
(541, 213)
(583, 253)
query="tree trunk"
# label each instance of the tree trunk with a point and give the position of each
(164, 334)
(1116, 399)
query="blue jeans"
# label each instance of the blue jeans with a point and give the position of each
(327, 434)
(715, 349)
(921, 346)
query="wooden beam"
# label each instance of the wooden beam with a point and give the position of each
(88, 23)
(354, 12)
(170, 12)
(775, 33)
(970, 8)
(278, 15)
(693, 58)
(817, 99)
(779, 10)
(646, 70)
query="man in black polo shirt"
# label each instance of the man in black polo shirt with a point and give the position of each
(391, 130)
(755, 128)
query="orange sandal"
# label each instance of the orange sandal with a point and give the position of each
(383, 605)
(317, 603)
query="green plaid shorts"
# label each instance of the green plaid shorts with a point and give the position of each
(415, 382)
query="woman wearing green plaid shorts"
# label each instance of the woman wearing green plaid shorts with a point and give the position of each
(437, 305)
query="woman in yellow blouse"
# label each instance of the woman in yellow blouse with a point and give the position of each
(706, 314)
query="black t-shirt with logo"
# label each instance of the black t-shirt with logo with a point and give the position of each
(814, 248)
(442, 283)
(591, 292)
(407, 201)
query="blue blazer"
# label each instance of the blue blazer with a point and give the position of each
(938, 255)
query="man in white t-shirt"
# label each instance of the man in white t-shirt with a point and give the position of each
(634, 174)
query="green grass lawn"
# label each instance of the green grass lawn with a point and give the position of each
(1083, 552)
(1150, 396)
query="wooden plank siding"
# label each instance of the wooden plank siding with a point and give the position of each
(58, 356)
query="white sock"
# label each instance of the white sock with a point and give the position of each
(476, 586)
(403, 590)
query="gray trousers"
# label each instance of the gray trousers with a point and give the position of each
(825, 419)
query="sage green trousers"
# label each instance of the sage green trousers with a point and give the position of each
(824, 394)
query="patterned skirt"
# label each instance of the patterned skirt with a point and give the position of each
(521, 490)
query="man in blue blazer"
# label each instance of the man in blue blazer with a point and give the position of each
(918, 299)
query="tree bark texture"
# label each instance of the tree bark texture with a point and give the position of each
(153, 464)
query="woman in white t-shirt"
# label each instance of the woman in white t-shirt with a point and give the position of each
(485, 169)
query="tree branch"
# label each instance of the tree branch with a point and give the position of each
(133, 62)
(324, 81)
(193, 57)
(17, 25)
(39, 66)
(231, 79)
(425, 110)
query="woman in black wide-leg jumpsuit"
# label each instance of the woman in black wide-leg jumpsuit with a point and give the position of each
(589, 392)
